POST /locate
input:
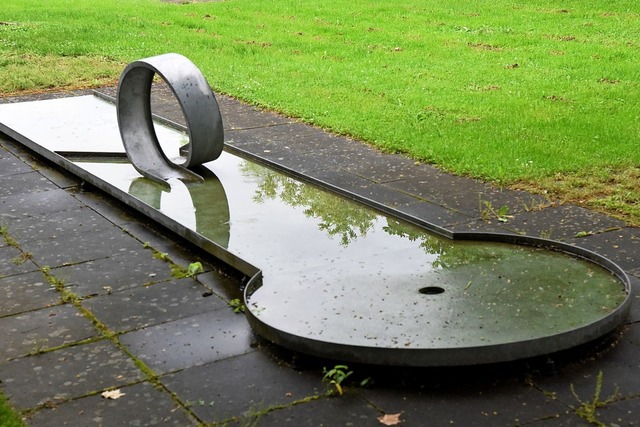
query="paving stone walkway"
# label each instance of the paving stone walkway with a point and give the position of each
(90, 304)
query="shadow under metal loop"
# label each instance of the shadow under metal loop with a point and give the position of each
(199, 107)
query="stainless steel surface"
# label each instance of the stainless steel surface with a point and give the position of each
(338, 279)
(199, 107)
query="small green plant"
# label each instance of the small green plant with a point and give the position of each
(22, 258)
(199, 402)
(194, 269)
(162, 256)
(39, 345)
(4, 232)
(583, 234)
(237, 305)
(53, 280)
(367, 382)
(177, 270)
(180, 272)
(335, 377)
(536, 205)
(588, 410)
(487, 211)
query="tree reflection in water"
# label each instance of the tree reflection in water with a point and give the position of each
(347, 221)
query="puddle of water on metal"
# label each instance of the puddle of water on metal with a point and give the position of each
(336, 271)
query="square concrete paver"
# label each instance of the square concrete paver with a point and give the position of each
(66, 374)
(380, 167)
(58, 224)
(43, 329)
(467, 196)
(26, 292)
(11, 165)
(190, 341)
(432, 213)
(111, 209)
(237, 115)
(114, 273)
(141, 405)
(56, 175)
(278, 133)
(238, 386)
(346, 410)
(465, 401)
(26, 182)
(77, 247)
(620, 413)
(37, 204)
(12, 261)
(152, 305)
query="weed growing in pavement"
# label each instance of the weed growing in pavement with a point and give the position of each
(4, 232)
(588, 409)
(177, 270)
(162, 256)
(583, 234)
(488, 212)
(10, 418)
(335, 377)
(180, 272)
(22, 258)
(237, 305)
(252, 417)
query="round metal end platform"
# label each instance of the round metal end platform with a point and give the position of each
(473, 303)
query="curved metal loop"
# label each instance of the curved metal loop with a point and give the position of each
(199, 107)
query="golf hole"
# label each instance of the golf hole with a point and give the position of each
(431, 290)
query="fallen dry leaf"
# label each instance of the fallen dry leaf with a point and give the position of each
(112, 394)
(390, 419)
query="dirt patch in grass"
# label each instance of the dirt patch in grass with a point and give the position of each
(614, 191)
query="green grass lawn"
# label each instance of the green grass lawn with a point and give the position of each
(8, 417)
(536, 94)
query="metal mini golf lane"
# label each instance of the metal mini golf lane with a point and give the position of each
(334, 278)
